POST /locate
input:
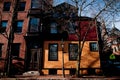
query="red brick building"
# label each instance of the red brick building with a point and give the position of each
(13, 16)
(42, 33)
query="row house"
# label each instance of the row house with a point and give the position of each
(115, 41)
(116, 46)
(46, 39)
(61, 35)
(14, 23)
(110, 57)
(13, 16)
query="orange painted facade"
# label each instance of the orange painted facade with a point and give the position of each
(88, 59)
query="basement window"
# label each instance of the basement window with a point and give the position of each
(72, 71)
(52, 71)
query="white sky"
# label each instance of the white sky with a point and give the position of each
(57, 2)
(117, 25)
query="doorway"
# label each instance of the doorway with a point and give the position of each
(34, 59)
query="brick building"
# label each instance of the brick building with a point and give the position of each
(13, 18)
(44, 38)
(115, 40)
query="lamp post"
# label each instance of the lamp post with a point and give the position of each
(62, 45)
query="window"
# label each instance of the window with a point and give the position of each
(119, 47)
(93, 46)
(52, 71)
(91, 71)
(72, 71)
(115, 42)
(36, 4)
(73, 51)
(53, 52)
(21, 6)
(19, 25)
(1, 49)
(34, 25)
(53, 27)
(115, 49)
(15, 49)
(3, 26)
(71, 27)
(6, 6)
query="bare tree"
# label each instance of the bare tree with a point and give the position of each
(97, 9)
(9, 35)
(3, 33)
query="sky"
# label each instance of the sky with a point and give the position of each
(117, 25)
(57, 2)
(89, 12)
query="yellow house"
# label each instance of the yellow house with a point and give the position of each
(60, 56)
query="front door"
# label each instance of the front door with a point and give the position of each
(34, 59)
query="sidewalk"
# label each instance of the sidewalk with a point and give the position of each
(58, 77)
